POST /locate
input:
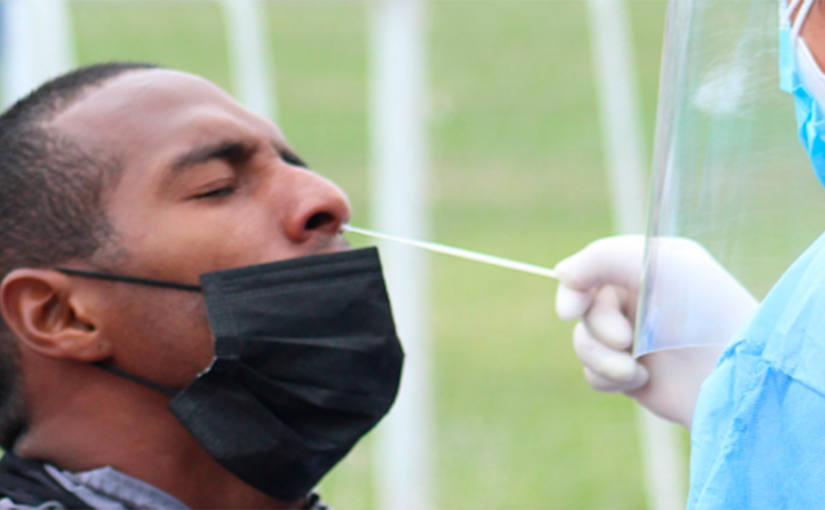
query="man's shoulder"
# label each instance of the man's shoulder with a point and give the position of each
(24, 483)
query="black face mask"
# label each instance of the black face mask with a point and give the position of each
(307, 361)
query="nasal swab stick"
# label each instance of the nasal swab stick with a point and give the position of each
(458, 252)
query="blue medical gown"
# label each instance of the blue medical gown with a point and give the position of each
(758, 435)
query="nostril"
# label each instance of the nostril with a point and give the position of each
(319, 220)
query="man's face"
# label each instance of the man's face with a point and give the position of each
(205, 185)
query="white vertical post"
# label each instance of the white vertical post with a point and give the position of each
(618, 93)
(399, 161)
(663, 461)
(37, 45)
(56, 37)
(249, 58)
(18, 51)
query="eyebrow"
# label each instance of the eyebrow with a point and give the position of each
(228, 151)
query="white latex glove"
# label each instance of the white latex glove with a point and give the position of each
(600, 286)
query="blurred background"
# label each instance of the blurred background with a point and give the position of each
(516, 169)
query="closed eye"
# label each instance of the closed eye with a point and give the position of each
(220, 192)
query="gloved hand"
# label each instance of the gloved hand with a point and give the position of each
(600, 286)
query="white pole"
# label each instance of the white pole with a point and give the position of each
(56, 37)
(249, 57)
(37, 45)
(18, 51)
(399, 161)
(662, 454)
(618, 94)
(663, 461)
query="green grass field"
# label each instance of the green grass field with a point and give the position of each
(517, 171)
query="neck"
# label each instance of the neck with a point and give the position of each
(86, 418)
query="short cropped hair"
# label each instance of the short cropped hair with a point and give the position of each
(51, 207)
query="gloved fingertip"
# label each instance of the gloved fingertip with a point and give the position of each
(567, 271)
(599, 382)
(642, 375)
(563, 266)
(572, 304)
(620, 369)
(614, 331)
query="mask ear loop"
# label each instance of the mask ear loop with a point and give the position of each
(140, 281)
(787, 10)
(139, 380)
(129, 279)
(800, 17)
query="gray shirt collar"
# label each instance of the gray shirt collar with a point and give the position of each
(108, 489)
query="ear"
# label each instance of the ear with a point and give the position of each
(50, 316)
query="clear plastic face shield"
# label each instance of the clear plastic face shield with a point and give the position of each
(729, 170)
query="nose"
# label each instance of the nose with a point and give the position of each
(318, 210)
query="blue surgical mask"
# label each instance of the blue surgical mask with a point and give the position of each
(800, 75)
